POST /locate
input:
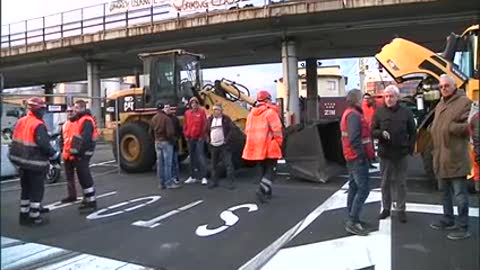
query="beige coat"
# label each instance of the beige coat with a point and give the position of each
(450, 136)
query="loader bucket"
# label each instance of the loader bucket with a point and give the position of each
(315, 152)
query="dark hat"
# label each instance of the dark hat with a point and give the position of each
(160, 106)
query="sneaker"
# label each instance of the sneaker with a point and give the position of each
(402, 216)
(204, 181)
(24, 219)
(44, 210)
(190, 180)
(88, 207)
(442, 225)
(176, 180)
(68, 200)
(459, 234)
(356, 228)
(384, 214)
(173, 186)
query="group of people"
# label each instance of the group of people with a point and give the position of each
(263, 143)
(455, 124)
(31, 150)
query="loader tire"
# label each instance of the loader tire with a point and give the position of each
(137, 148)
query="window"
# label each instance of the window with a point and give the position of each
(331, 86)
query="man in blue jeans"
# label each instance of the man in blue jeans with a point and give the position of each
(164, 133)
(358, 151)
(451, 160)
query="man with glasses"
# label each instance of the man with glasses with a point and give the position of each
(451, 161)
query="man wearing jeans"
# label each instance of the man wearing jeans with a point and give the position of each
(451, 161)
(194, 131)
(394, 127)
(358, 150)
(163, 130)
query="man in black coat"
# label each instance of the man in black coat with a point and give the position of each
(394, 127)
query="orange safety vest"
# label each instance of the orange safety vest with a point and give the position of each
(366, 136)
(72, 129)
(264, 134)
(24, 151)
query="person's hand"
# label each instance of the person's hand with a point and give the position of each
(386, 135)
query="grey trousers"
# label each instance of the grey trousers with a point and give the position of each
(394, 180)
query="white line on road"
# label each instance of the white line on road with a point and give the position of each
(59, 204)
(156, 221)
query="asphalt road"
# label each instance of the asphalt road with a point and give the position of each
(139, 226)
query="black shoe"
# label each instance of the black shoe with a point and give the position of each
(24, 219)
(68, 200)
(88, 207)
(356, 228)
(443, 226)
(384, 214)
(402, 216)
(212, 185)
(261, 197)
(44, 210)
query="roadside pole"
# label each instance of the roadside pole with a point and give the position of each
(117, 135)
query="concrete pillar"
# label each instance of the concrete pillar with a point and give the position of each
(290, 80)
(312, 90)
(94, 91)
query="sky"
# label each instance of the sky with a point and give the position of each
(254, 77)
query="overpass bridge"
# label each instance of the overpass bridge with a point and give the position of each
(100, 44)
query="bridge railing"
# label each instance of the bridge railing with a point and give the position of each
(113, 15)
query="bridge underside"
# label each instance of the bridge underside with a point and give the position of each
(334, 34)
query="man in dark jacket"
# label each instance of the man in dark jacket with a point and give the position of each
(30, 151)
(163, 131)
(218, 133)
(394, 127)
(178, 133)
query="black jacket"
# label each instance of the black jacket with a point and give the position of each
(399, 123)
(227, 126)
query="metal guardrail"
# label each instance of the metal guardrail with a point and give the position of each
(102, 17)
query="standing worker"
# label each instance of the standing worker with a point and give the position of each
(474, 129)
(163, 131)
(194, 131)
(78, 148)
(30, 151)
(219, 132)
(177, 127)
(263, 144)
(66, 134)
(368, 107)
(451, 160)
(358, 151)
(394, 127)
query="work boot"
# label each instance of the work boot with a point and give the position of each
(443, 226)
(261, 197)
(24, 219)
(384, 214)
(355, 228)
(68, 200)
(402, 216)
(459, 234)
(86, 207)
(37, 221)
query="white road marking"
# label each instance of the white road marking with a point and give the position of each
(36, 256)
(102, 163)
(436, 209)
(156, 221)
(59, 204)
(99, 214)
(10, 181)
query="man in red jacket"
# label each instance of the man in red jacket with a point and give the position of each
(194, 131)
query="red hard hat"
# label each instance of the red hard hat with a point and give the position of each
(35, 103)
(263, 95)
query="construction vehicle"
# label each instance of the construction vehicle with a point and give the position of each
(170, 77)
(406, 60)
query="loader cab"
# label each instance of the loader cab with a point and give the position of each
(466, 59)
(170, 76)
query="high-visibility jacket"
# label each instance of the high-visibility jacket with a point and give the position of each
(368, 112)
(24, 151)
(366, 137)
(264, 134)
(72, 139)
